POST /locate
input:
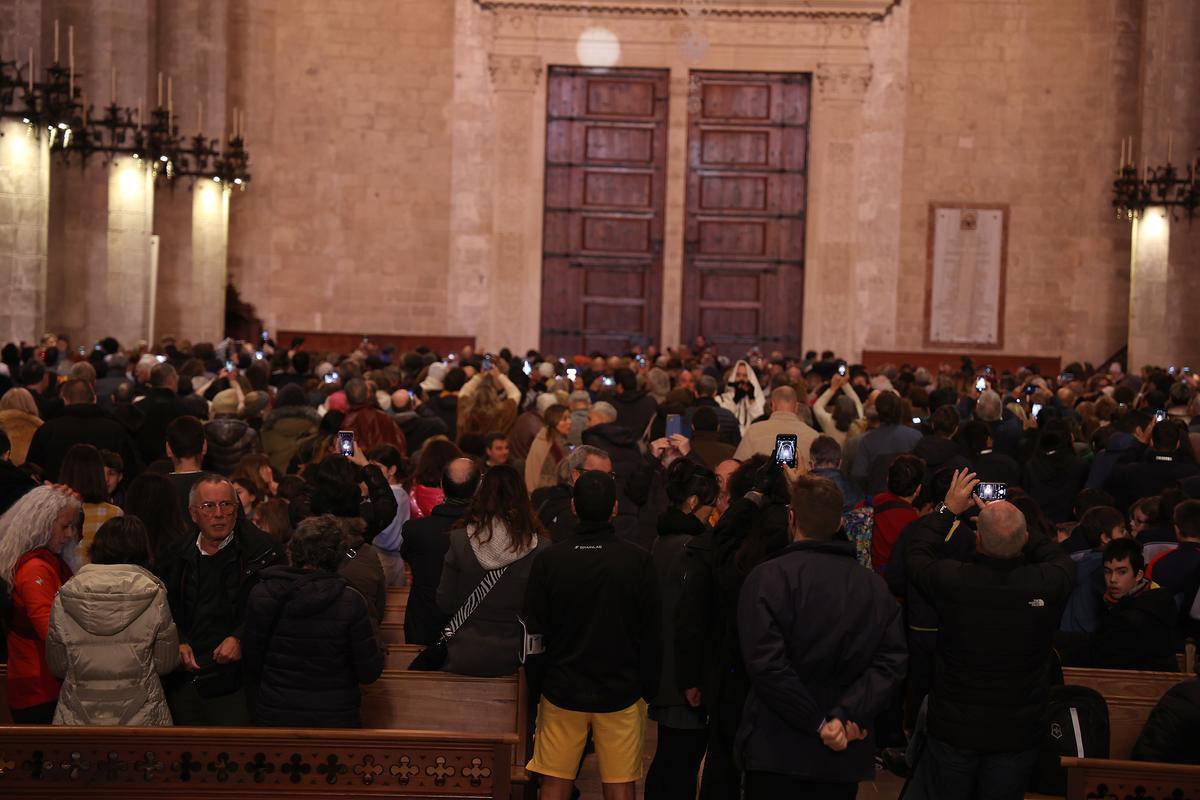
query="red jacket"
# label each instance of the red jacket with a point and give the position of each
(892, 515)
(37, 577)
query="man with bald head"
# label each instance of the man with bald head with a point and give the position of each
(997, 616)
(759, 438)
(426, 541)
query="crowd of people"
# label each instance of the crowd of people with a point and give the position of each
(205, 534)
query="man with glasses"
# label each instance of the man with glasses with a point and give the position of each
(208, 581)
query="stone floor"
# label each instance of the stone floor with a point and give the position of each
(885, 787)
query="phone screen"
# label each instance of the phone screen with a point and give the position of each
(916, 420)
(988, 492)
(609, 382)
(841, 369)
(571, 374)
(346, 443)
(1036, 409)
(229, 366)
(527, 369)
(981, 384)
(266, 335)
(785, 449)
(331, 377)
(487, 363)
(674, 425)
(1160, 415)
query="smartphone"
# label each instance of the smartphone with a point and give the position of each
(841, 369)
(487, 363)
(640, 359)
(1170, 370)
(161, 359)
(331, 377)
(571, 372)
(527, 369)
(228, 366)
(609, 382)
(785, 449)
(1035, 410)
(266, 334)
(674, 425)
(1160, 415)
(916, 420)
(988, 492)
(981, 384)
(258, 354)
(345, 443)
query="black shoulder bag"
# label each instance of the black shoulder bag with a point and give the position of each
(433, 657)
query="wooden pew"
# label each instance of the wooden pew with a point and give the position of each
(245, 763)
(391, 629)
(1105, 778)
(1130, 695)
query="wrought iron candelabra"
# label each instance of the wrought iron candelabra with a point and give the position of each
(55, 107)
(1174, 188)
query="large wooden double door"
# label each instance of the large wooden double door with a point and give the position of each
(606, 165)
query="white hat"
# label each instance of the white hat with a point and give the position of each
(544, 401)
(433, 380)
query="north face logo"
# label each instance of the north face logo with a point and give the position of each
(1037, 602)
(1056, 730)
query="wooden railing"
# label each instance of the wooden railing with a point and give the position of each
(1102, 778)
(237, 763)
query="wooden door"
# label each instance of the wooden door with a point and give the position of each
(606, 150)
(743, 275)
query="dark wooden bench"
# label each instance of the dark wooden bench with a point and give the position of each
(1131, 696)
(236, 763)
(1112, 778)
(391, 629)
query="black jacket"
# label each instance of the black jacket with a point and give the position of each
(229, 439)
(675, 530)
(634, 411)
(634, 472)
(254, 551)
(446, 408)
(553, 507)
(997, 619)
(1132, 480)
(15, 483)
(821, 638)
(727, 423)
(595, 599)
(426, 541)
(993, 467)
(1054, 480)
(1136, 632)
(310, 643)
(1172, 733)
(160, 407)
(940, 453)
(377, 511)
(81, 424)
(420, 425)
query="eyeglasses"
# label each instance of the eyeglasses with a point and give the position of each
(225, 506)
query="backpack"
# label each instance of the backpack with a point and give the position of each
(858, 524)
(1077, 726)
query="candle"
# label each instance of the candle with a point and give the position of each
(1122, 162)
(170, 97)
(70, 62)
(138, 120)
(85, 110)
(233, 126)
(55, 41)
(112, 86)
(1170, 142)
(199, 114)
(160, 90)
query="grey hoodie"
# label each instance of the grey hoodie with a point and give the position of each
(111, 636)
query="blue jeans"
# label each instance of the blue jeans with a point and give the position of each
(946, 772)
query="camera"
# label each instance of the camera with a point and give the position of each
(988, 492)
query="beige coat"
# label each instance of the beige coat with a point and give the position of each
(541, 468)
(20, 428)
(111, 636)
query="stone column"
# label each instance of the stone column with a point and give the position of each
(24, 220)
(1164, 282)
(99, 266)
(517, 258)
(192, 47)
(829, 273)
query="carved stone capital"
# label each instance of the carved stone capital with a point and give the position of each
(515, 73)
(843, 81)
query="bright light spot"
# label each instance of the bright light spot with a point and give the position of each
(135, 155)
(62, 126)
(1155, 221)
(238, 181)
(25, 120)
(598, 47)
(162, 158)
(129, 179)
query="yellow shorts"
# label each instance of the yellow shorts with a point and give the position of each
(619, 737)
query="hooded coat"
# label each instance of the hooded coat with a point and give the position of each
(111, 636)
(284, 429)
(746, 408)
(229, 439)
(309, 641)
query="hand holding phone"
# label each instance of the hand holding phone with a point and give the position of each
(785, 450)
(674, 425)
(991, 492)
(345, 443)
(981, 384)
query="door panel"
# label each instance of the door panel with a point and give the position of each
(606, 150)
(746, 192)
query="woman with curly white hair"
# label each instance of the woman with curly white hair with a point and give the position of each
(33, 534)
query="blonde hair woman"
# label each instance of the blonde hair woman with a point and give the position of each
(19, 419)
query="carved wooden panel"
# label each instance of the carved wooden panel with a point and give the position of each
(248, 762)
(743, 272)
(1131, 696)
(1107, 779)
(606, 141)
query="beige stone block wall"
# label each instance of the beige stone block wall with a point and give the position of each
(24, 210)
(1020, 103)
(346, 225)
